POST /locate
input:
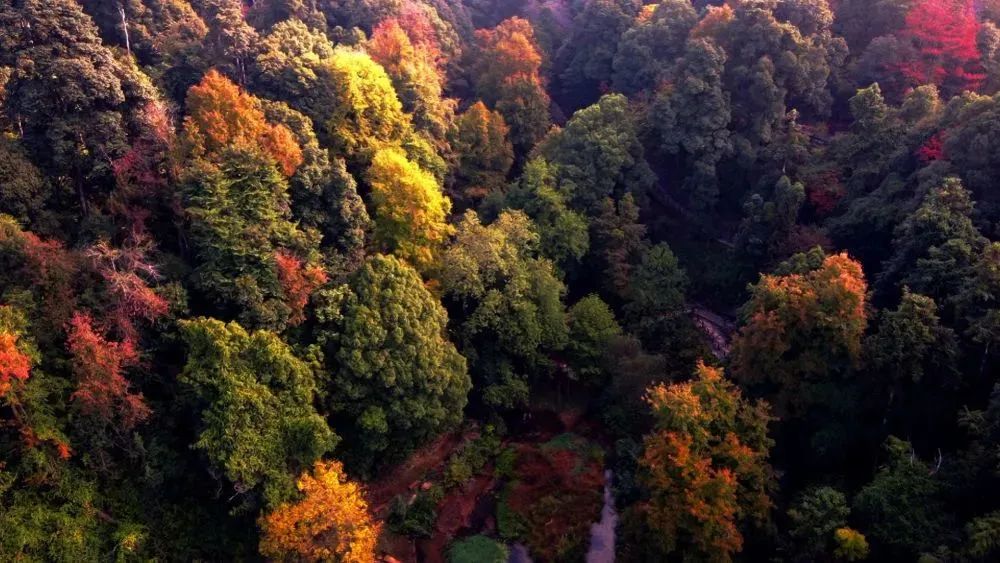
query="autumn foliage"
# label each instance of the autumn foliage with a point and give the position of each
(943, 34)
(101, 387)
(298, 281)
(14, 364)
(330, 523)
(221, 116)
(705, 465)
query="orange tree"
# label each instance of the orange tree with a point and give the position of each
(705, 466)
(330, 523)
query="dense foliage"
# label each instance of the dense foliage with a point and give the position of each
(361, 280)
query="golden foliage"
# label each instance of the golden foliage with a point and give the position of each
(411, 210)
(330, 523)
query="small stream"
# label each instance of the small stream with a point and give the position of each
(602, 534)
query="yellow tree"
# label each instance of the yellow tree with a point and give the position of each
(330, 523)
(410, 208)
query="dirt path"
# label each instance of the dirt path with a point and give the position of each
(407, 476)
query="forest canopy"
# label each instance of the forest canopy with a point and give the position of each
(457, 280)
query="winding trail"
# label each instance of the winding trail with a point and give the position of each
(602, 534)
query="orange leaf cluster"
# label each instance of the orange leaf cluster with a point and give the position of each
(14, 364)
(298, 282)
(330, 523)
(799, 324)
(705, 465)
(221, 115)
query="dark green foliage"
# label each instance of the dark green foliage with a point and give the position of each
(477, 549)
(814, 517)
(393, 380)
(901, 510)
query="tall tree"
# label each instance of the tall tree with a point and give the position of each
(506, 67)
(394, 379)
(257, 427)
(71, 99)
(483, 152)
(943, 35)
(802, 326)
(410, 208)
(705, 466)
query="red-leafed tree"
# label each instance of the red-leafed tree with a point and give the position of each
(14, 364)
(298, 282)
(127, 273)
(943, 35)
(98, 363)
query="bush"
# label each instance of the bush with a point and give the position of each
(477, 549)
(417, 517)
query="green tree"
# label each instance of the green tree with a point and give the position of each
(394, 380)
(592, 327)
(648, 50)
(258, 426)
(510, 303)
(691, 120)
(935, 247)
(563, 231)
(76, 104)
(598, 155)
(585, 61)
(814, 518)
(902, 509)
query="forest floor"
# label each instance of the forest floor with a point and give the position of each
(550, 445)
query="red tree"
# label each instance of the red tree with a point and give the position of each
(298, 282)
(101, 389)
(127, 273)
(943, 34)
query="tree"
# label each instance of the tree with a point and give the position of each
(935, 246)
(506, 68)
(648, 49)
(101, 388)
(298, 282)
(705, 466)
(801, 327)
(658, 285)
(410, 208)
(598, 155)
(902, 509)
(257, 424)
(238, 219)
(512, 316)
(816, 516)
(324, 196)
(15, 365)
(221, 116)
(563, 231)
(691, 120)
(592, 327)
(618, 241)
(394, 380)
(74, 102)
(330, 523)
(943, 35)
(484, 153)
(585, 61)
(416, 76)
